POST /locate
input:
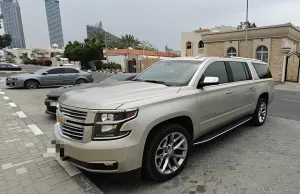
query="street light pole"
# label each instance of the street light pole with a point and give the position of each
(246, 54)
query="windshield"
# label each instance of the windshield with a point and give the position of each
(173, 72)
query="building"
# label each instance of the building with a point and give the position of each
(133, 61)
(277, 45)
(54, 23)
(91, 29)
(193, 40)
(12, 22)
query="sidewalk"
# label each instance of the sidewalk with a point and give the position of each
(288, 86)
(27, 163)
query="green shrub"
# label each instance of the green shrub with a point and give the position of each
(47, 63)
(98, 64)
(10, 60)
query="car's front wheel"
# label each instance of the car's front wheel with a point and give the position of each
(167, 152)
(260, 114)
(31, 84)
(81, 81)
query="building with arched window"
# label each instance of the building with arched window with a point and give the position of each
(277, 45)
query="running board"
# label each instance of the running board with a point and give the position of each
(216, 133)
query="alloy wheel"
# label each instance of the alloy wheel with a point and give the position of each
(171, 153)
(262, 113)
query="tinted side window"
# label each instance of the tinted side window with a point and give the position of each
(71, 70)
(262, 70)
(56, 71)
(238, 71)
(216, 69)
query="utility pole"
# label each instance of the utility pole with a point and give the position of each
(246, 54)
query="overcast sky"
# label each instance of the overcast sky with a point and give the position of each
(158, 21)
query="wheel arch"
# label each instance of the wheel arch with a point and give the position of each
(34, 79)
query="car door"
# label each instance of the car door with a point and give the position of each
(54, 77)
(70, 76)
(245, 94)
(216, 103)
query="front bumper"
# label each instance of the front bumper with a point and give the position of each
(50, 106)
(14, 83)
(113, 156)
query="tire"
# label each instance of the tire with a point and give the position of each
(260, 114)
(154, 158)
(31, 84)
(81, 81)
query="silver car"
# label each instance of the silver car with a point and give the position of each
(51, 76)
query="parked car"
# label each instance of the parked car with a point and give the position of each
(51, 76)
(53, 95)
(10, 67)
(152, 122)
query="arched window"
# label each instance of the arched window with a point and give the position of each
(262, 53)
(201, 44)
(188, 45)
(231, 52)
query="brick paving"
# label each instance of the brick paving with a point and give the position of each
(27, 161)
(248, 160)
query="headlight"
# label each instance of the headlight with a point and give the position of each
(108, 123)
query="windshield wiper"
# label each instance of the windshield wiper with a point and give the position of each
(157, 82)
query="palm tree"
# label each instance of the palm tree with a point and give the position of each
(99, 36)
(244, 24)
(112, 44)
(129, 40)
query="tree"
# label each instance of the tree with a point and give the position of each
(112, 44)
(145, 45)
(99, 36)
(85, 52)
(5, 41)
(37, 53)
(244, 24)
(129, 40)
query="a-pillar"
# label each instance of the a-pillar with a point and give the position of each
(285, 51)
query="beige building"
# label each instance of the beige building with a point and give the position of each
(278, 45)
(135, 61)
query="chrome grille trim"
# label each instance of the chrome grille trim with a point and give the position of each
(73, 114)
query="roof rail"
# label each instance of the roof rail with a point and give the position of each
(243, 58)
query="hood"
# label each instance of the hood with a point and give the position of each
(59, 91)
(113, 95)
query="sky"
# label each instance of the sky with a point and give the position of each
(157, 21)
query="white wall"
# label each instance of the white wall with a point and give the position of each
(194, 38)
(117, 59)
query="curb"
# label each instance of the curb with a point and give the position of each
(8, 72)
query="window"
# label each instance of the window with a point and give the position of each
(238, 71)
(262, 70)
(71, 70)
(231, 52)
(216, 69)
(262, 53)
(56, 71)
(189, 45)
(201, 44)
(171, 72)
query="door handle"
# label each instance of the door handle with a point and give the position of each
(251, 87)
(229, 92)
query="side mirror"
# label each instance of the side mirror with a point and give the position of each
(209, 81)
(45, 73)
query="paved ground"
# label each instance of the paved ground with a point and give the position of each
(246, 160)
(286, 104)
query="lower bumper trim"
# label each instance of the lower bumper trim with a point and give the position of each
(94, 167)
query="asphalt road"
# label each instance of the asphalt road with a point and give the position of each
(286, 105)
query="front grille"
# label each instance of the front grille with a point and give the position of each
(73, 127)
(74, 114)
(72, 131)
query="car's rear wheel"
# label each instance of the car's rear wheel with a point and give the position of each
(81, 81)
(260, 114)
(167, 152)
(31, 84)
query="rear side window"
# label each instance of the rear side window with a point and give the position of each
(239, 71)
(262, 70)
(56, 71)
(71, 70)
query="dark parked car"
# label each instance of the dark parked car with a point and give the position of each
(53, 95)
(10, 67)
